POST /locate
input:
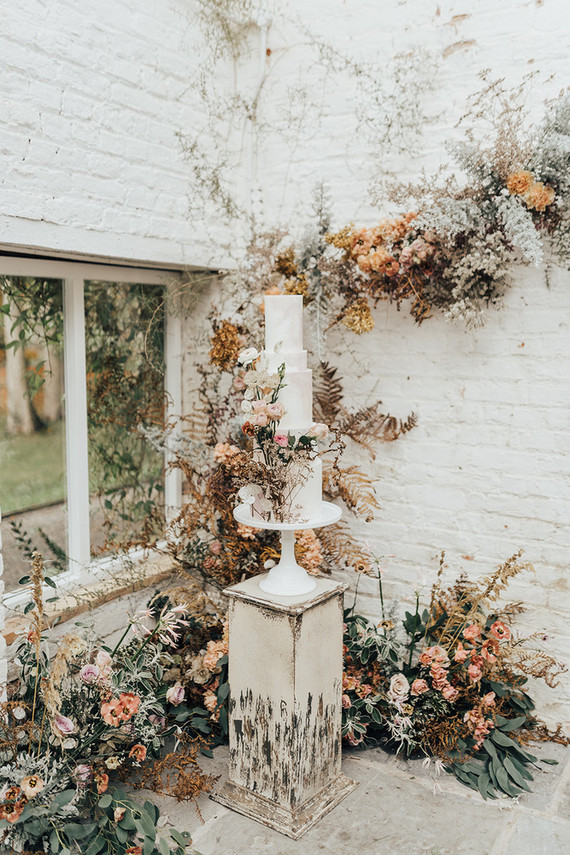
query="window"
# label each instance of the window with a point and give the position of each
(101, 307)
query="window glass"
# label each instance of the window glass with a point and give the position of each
(32, 432)
(124, 332)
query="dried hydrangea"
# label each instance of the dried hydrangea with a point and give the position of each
(358, 317)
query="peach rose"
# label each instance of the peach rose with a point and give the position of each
(460, 653)
(449, 693)
(474, 673)
(419, 687)
(472, 632)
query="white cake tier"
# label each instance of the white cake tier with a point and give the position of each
(296, 359)
(296, 396)
(306, 499)
(283, 322)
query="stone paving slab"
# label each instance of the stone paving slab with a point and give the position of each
(398, 808)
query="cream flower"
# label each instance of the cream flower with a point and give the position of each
(399, 688)
(247, 356)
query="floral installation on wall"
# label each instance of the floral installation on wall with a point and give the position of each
(455, 247)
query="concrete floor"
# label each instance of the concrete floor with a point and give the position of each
(397, 810)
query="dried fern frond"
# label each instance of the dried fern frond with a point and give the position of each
(353, 486)
(327, 393)
(368, 426)
(340, 547)
(177, 774)
(539, 664)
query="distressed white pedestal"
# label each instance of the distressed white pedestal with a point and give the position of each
(285, 673)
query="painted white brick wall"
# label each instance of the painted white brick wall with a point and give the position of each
(93, 95)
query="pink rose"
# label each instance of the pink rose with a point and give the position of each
(258, 406)
(239, 384)
(346, 702)
(472, 632)
(489, 699)
(474, 672)
(419, 687)
(449, 693)
(89, 674)
(259, 420)
(83, 774)
(274, 411)
(281, 439)
(103, 659)
(62, 725)
(175, 695)
(216, 547)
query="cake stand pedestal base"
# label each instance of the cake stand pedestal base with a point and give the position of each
(285, 673)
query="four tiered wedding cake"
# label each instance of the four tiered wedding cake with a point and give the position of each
(284, 345)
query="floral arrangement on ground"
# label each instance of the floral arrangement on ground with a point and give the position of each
(448, 683)
(78, 722)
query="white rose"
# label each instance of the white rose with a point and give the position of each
(399, 688)
(250, 493)
(319, 431)
(248, 356)
(246, 407)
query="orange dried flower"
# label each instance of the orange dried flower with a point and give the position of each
(226, 345)
(138, 751)
(539, 196)
(519, 182)
(358, 317)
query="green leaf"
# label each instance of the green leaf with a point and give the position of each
(223, 692)
(500, 739)
(105, 800)
(178, 837)
(61, 799)
(96, 845)
(164, 847)
(49, 582)
(504, 783)
(549, 761)
(515, 774)
(24, 580)
(121, 833)
(29, 607)
(513, 723)
(77, 831)
(483, 782)
(521, 767)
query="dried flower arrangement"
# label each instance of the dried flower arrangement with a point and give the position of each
(454, 688)
(77, 719)
(453, 250)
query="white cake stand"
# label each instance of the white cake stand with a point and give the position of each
(287, 578)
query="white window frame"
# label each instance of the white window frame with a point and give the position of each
(82, 569)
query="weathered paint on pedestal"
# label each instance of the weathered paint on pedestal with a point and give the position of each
(285, 672)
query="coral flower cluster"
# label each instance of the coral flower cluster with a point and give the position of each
(119, 710)
(536, 195)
